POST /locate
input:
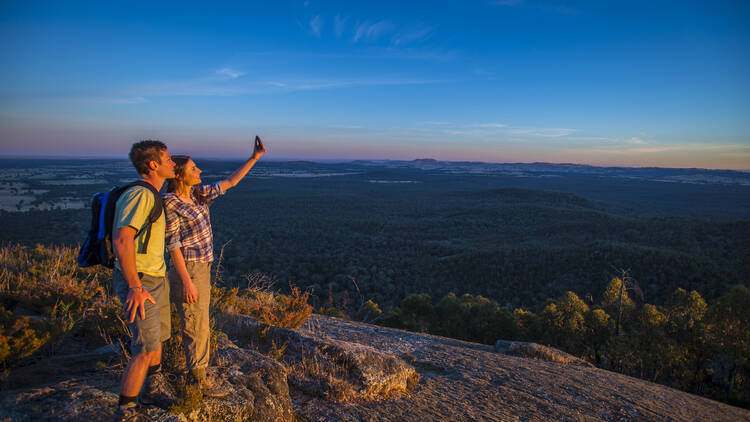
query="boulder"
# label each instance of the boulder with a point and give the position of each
(261, 380)
(537, 351)
(337, 370)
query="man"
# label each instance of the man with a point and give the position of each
(140, 278)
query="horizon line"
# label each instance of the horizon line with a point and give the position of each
(351, 160)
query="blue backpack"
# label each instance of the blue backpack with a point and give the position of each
(98, 249)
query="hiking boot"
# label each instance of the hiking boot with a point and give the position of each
(208, 387)
(157, 391)
(129, 414)
(212, 389)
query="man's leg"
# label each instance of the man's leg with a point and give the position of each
(157, 390)
(135, 373)
(156, 357)
(147, 337)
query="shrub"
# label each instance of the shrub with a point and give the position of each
(45, 298)
(271, 308)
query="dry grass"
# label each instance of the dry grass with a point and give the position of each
(45, 298)
(321, 378)
(259, 301)
(537, 351)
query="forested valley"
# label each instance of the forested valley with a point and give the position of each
(486, 255)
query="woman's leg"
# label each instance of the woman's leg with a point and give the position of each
(194, 317)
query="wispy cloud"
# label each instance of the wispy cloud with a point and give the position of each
(319, 84)
(693, 148)
(106, 100)
(465, 132)
(229, 73)
(371, 52)
(339, 25)
(543, 132)
(506, 2)
(316, 24)
(546, 7)
(403, 53)
(635, 141)
(346, 127)
(372, 31)
(413, 35)
(558, 8)
(436, 123)
(506, 131)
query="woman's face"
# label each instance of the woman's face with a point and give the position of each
(192, 174)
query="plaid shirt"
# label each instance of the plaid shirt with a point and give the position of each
(189, 225)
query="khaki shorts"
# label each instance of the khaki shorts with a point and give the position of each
(148, 333)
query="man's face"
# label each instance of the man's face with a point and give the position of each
(166, 168)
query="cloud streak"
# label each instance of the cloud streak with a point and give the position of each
(371, 31)
(229, 73)
(411, 36)
(494, 129)
(316, 25)
(339, 25)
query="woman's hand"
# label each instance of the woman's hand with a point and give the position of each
(189, 292)
(259, 148)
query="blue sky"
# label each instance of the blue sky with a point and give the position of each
(607, 83)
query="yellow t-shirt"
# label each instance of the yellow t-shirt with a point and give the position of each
(132, 209)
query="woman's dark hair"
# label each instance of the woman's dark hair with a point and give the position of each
(180, 162)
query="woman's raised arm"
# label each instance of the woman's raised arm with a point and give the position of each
(238, 174)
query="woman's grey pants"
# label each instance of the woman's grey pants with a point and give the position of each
(194, 316)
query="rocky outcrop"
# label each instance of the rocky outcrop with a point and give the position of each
(337, 370)
(261, 380)
(257, 384)
(459, 381)
(60, 367)
(537, 351)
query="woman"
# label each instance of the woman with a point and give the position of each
(189, 241)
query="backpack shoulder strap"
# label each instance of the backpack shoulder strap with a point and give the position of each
(156, 212)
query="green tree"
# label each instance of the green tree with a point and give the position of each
(528, 325)
(687, 331)
(369, 312)
(563, 319)
(417, 312)
(597, 334)
(647, 348)
(616, 301)
(729, 333)
(451, 317)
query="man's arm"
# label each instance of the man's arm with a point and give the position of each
(124, 244)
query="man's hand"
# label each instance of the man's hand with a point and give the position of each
(189, 292)
(136, 303)
(259, 148)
